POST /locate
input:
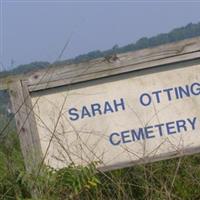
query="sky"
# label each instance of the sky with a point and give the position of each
(37, 30)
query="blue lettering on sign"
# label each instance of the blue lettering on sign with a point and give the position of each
(195, 88)
(115, 139)
(73, 114)
(96, 109)
(137, 135)
(145, 99)
(170, 94)
(85, 112)
(108, 108)
(157, 94)
(149, 132)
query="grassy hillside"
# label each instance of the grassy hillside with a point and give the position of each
(175, 179)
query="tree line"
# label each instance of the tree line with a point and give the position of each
(177, 34)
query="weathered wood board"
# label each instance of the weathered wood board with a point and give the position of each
(117, 121)
(137, 107)
(126, 62)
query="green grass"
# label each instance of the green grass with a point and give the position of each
(171, 179)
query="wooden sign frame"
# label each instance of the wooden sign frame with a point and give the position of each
(57, 76)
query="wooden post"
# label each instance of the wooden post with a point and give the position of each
(26, 125)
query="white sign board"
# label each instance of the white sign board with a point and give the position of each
(131, 118)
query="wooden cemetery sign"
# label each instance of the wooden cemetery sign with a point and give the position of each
(135, 107)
